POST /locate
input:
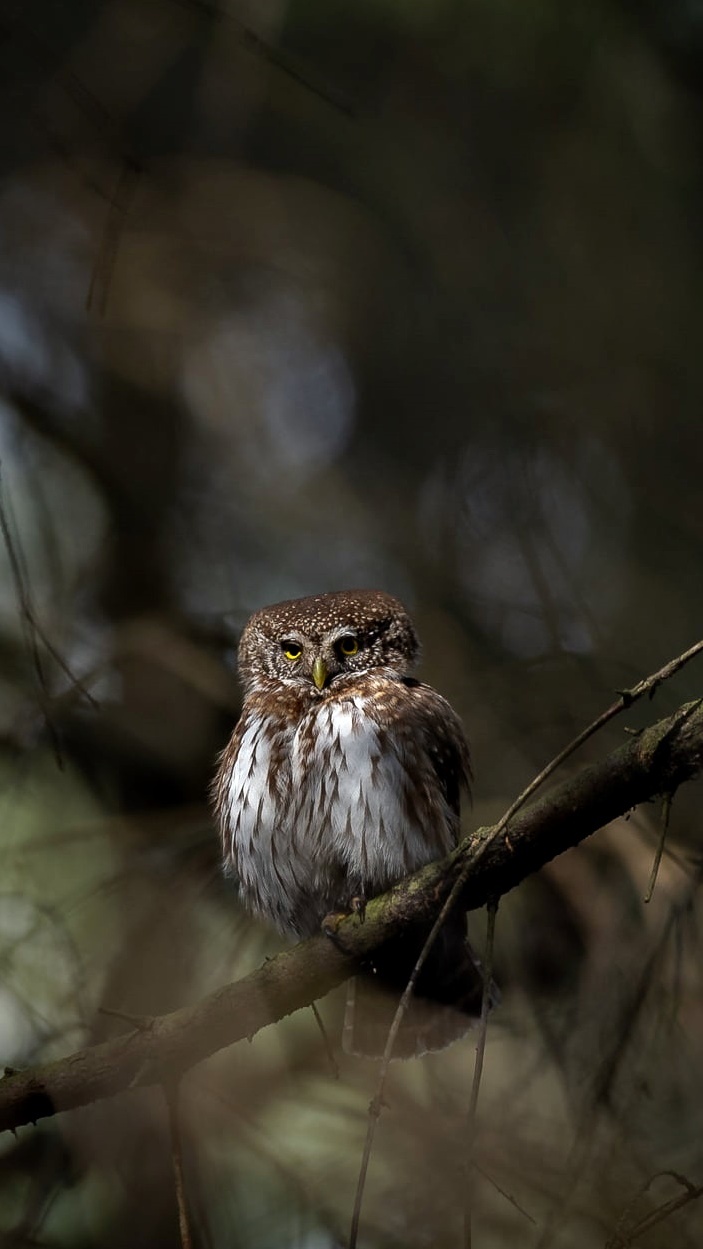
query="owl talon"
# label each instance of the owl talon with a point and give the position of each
(330, 927)
(357, 906)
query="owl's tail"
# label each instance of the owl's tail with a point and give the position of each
(446, 1000)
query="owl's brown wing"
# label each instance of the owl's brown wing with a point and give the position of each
(444, 741)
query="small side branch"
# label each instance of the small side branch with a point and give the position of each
(665, 816)
(171, 1094)
(478, 1071)
(622, 1239)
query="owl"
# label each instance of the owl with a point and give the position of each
(344, 775)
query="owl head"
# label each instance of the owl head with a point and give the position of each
(311, 643)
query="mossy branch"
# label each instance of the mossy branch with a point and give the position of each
(655, 762)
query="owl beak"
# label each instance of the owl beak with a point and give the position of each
(319, 673)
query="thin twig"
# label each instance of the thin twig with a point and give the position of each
(662, 1212)
(27, 617)
(326, 1041)
(478, 1068)
(33, 631)
(76, 682)
(174, 1127)
(626, 699)
(374, 1114)
(278, 57)
(141, 1022)
(120, 200)
(504, 1193)
(665, 814)
(621, 1239)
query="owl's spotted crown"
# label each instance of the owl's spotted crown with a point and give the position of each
(339, 609)
(378, 621)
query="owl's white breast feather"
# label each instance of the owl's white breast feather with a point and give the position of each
(249, 801)
(356, 792)
(337, 803)
(254, 804)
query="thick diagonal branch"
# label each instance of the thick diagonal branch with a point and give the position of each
(656, 762)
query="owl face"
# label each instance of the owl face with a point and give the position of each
(312, 643)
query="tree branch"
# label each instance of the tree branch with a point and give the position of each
(655, 762)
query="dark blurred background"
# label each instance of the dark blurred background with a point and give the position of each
(294, 297)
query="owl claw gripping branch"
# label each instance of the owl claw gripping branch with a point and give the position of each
(343, 776)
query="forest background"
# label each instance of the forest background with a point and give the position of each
(294, 297)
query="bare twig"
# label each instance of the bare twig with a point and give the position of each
(278, 57)
(325, 1040)
(174, 1127)
(504, 1193)
(665, 814)
(27, 617)
(478, 1068)
(31, 625)
(76, 683)
(621, 1239)
(120, 200)
(136, 1021)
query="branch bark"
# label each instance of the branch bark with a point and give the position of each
(655, 762)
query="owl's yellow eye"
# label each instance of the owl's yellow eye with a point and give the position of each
(348, 645)
(291, 650)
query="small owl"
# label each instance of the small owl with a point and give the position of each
(343, 776)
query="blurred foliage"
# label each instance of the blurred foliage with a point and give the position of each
(302, 296)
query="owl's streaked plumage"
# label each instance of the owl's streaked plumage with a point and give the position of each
(343, 776)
